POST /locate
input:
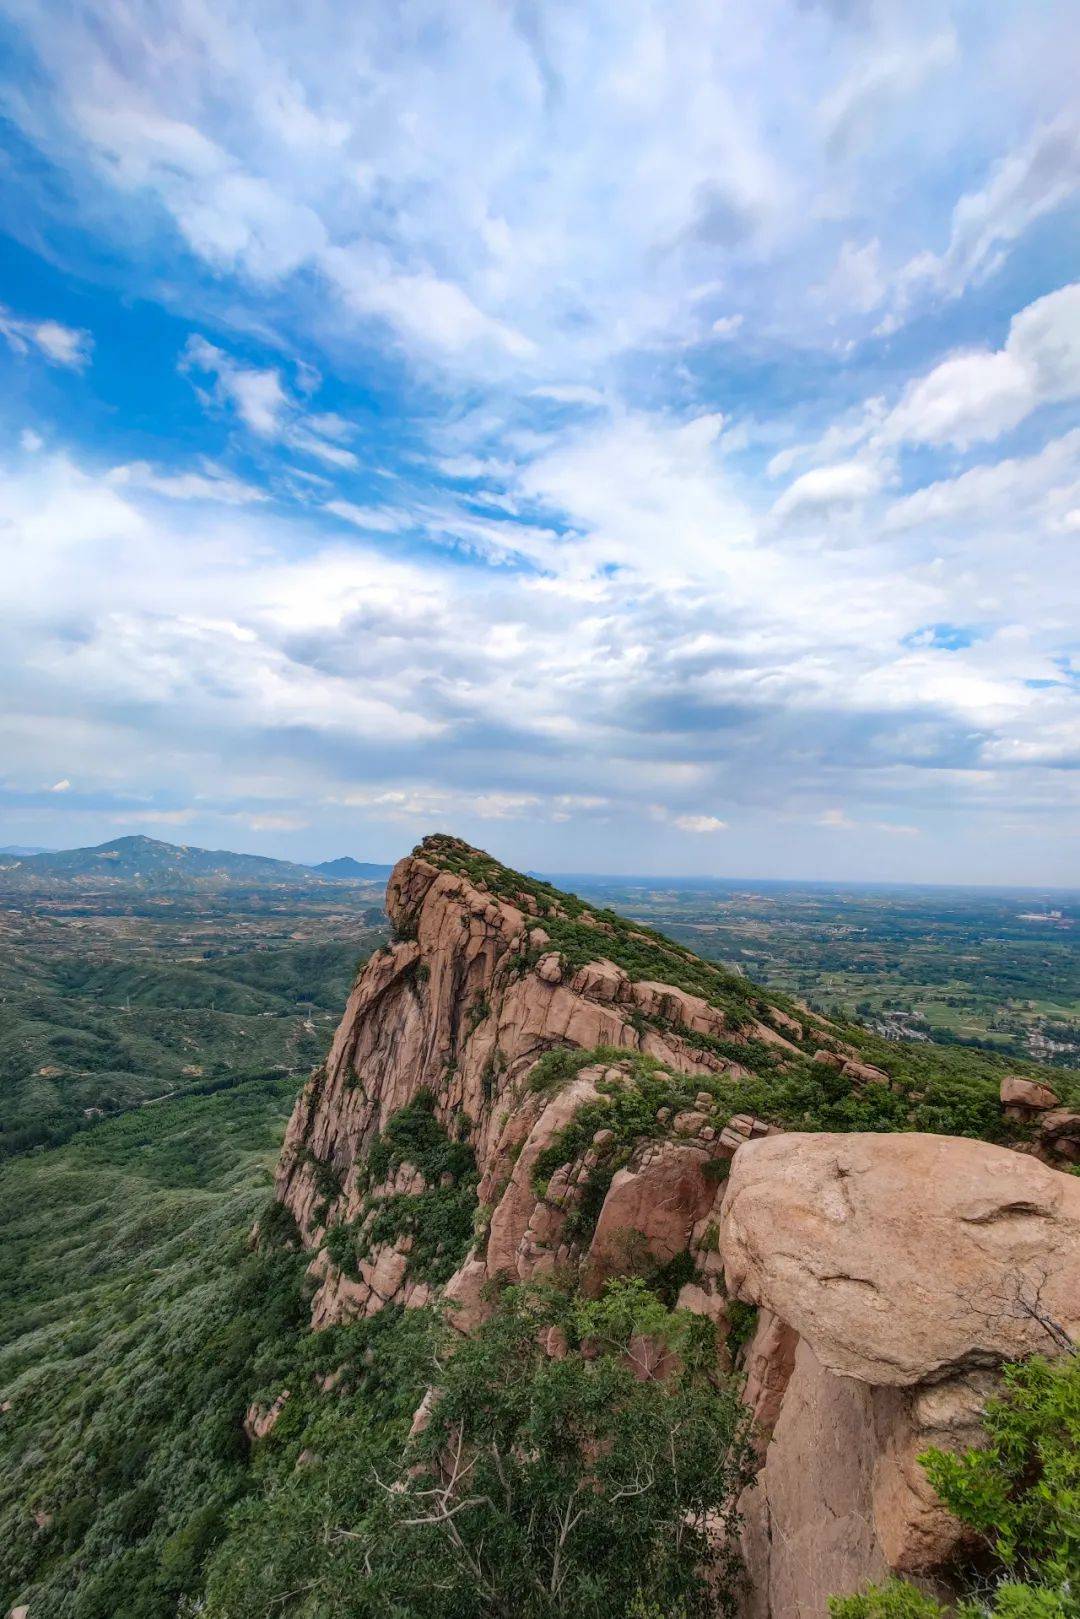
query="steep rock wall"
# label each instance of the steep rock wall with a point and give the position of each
(892, 1273)
(461, 1008)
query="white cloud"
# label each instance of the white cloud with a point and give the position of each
(1023, 186)
(155, 817)
(1037, 490)
(963, 400)
(569, 393)
(435, 312)
(889, 71)
(700, 823)
(263, 404)
(856, 281)
(212, 483)
(30, 441)
(66, 346)
(823, 489)
(61, 786)
(538, 319)
(836, 820)
(318, 674)
(275, 823)
(981, 395)
(375, 519)
(256, 394)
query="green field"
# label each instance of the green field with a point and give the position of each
(986, 968)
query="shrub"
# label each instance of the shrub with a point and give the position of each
(1021, 1493)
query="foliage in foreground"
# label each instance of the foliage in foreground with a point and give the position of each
(541, 1486)
(1020, 1493)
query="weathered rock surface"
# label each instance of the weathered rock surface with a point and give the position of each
(894, 1273)
(1016, 1091)
(261, 1420)
(463, 1006)
(903, 1257)
(1059, 1135)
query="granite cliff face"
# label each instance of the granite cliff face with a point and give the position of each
(486, 978)
(522, 1084)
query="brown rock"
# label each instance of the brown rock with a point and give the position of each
(770, 1360)
(1059, 1134)
(808, 1530)
(455, 1007)
(513, 1233)
(703, 1300)
(688, 1123)
(1016, 1091)
(261, 1420)
(864, 1072)
(650, 1210)
(915, 1531)
(601, 981)
(549, 968)
(903, 1257)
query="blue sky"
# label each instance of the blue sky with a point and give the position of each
(634, 436)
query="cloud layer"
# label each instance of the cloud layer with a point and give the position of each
(651, 429)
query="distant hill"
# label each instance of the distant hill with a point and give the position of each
(357, 870)
(147, 863)
(22, 849)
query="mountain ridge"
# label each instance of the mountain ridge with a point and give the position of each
(139, 860)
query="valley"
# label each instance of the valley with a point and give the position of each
(118, 991)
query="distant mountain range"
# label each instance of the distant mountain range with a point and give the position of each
(353, 870)
(148, 863)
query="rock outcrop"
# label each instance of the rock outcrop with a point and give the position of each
(895, 1273)
(461, 1008)
(520, 1084)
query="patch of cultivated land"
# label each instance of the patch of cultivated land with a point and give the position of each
(978, 966)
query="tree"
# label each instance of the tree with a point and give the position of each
(552, 1483)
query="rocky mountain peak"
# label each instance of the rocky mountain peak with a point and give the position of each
(523, 1084)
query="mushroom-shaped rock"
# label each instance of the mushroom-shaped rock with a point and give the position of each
(901, 1258)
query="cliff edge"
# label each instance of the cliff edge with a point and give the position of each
(522, 1084)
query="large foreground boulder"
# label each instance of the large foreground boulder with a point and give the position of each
(894, 1273)
(903, 1258)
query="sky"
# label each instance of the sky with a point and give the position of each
(635, 435)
